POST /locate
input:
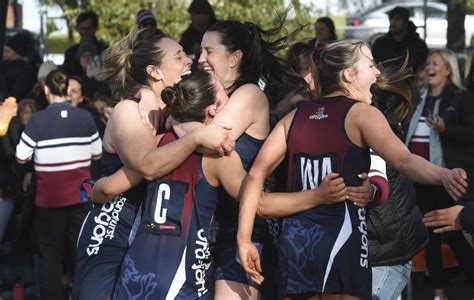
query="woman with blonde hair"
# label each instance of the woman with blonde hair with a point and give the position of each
(441, 131)
(323, 251)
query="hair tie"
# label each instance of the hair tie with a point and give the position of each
(319, 53)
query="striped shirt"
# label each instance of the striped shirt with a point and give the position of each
(62, 140)
(420, 141)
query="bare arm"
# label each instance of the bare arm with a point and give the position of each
(106, 188)
(246, 111)
(136, 146)
(375, 132)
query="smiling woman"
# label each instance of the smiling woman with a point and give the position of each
(441, 131)
(133, 67)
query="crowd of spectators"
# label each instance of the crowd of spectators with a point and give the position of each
(34, 179)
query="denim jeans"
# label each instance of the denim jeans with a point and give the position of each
(6, 209)
(388, 282)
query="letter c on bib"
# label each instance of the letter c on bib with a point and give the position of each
(164, 192)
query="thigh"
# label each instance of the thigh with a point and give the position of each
(228, 290)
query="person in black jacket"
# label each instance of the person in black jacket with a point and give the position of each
(441, 130)
(86, 24)
(402, 37)
(453, 218)
(394, 228)
(202, 17)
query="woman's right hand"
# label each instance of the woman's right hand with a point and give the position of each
(332, 189)
(455, 182)
(216, 138)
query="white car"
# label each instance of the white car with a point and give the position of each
(371, 24)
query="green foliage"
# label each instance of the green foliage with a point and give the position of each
(117, 17)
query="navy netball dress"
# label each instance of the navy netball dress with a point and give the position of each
(324, 249)
(104, 238)
(224, 243)
(170, 256)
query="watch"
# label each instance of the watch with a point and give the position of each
(374, 192)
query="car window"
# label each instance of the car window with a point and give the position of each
(431, 12)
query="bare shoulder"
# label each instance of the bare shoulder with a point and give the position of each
(249, 92)
(362, 111)
(124, 107)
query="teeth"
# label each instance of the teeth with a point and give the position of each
(207, 69)
(186, 73)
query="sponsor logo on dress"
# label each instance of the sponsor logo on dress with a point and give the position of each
(202, 262)
(364, 248)
(105, 222)
(319, 115)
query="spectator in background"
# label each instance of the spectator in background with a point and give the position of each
(441, 131)
(61, 141)
(86, 24)
(299, 58)
(75, 95)
(325, 32)
(91, 66)
(37, 92)
(202, 17)
(400, 39)
(20, 76)
(146, 22)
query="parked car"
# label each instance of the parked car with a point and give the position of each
(373, 23)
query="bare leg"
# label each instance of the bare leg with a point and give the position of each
(229, 290)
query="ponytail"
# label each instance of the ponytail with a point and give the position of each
(125, 63)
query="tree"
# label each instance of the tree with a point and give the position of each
(117, 17)
(456, 34)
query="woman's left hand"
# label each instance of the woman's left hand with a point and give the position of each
(437, 123)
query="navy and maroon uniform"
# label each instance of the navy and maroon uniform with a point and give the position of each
(170, 257)
(224, 228)
(104, 238)
(324, 249)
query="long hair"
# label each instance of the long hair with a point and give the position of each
(125, 63)
(345, 54)
(451, 62)
(329, 23)
(259, 62)
(392, 92)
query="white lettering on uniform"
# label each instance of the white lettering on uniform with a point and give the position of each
(105, 222)
(310, 171)
(364, 253)
(202, 264)
(164, 192)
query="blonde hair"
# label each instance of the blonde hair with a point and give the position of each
(451, 62)
(333, 59)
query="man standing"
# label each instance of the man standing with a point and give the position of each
(86, 24)
(402, 37)
(61, 140)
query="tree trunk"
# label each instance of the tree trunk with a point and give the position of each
(456, 34)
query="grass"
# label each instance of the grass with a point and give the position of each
(58, 43)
